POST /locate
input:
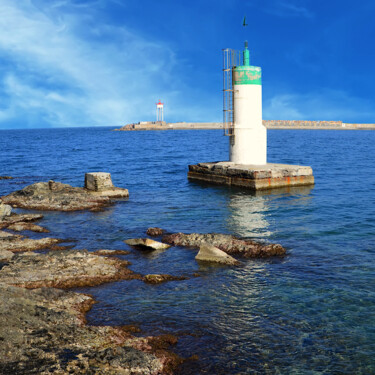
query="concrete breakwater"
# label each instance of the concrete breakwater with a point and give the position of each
(270, 124)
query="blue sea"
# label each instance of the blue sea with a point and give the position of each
(311, 312)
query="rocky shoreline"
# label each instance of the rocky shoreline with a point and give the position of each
(46, 331)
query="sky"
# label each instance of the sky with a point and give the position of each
(70, 63)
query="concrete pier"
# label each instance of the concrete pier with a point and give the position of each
(254, 177)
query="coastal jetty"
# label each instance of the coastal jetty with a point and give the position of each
(162, 125)
(269, 124)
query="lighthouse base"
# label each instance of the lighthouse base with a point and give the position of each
(254, 177)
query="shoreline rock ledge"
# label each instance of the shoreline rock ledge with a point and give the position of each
(227, 243)
(56, 196)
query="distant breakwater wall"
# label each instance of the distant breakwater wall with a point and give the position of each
(270, 124)
(301, 124)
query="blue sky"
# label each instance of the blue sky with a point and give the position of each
(107, 62)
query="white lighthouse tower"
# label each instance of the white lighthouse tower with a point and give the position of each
(247, 166)
(248, 143)
(159, 111)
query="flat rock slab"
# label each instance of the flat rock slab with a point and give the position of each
(18, 243)
(6, 255)
(227, 243)
(64, 269)
(43, 331)
(147, 243)
(5, 210)
(209, 253)
(254, 177)
(21, 226)
(55, 196)
(19, 218)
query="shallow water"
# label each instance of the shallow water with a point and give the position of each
(311, 312)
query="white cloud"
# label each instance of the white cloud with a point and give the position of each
(75, 71)
(325, 104)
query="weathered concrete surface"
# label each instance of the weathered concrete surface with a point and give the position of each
(100, 183)
(158, 279)
(155, 231)
(254, 177)
(209, 253)
(64, 269)
(42, 331)
(55, 196)
(227, 243)
(147, 243)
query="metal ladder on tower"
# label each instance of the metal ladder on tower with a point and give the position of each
(231, 58)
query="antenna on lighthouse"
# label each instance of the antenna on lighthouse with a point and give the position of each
(159, 111)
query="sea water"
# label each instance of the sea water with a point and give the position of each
(310, 312)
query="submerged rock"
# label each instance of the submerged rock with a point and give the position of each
(147, 243)
(155, 232)
(158, 279)
(209, 253)
(6, 178)
(64, 269)
(227, 243)
(110, 253)
(42, 331)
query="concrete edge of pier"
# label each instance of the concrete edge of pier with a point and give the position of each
(253, 177)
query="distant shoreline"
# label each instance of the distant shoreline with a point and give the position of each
(270, 124)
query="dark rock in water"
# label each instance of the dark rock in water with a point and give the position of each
(227, 243)
(155, 232)
(110, 253)
(43, 331)
(64, 269)
(55, 196)
(6, 178)
(158, 279)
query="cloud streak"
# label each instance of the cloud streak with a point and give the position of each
(284, 8)
(75, 71)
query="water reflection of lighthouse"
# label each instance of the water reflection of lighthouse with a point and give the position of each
(248, 215)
